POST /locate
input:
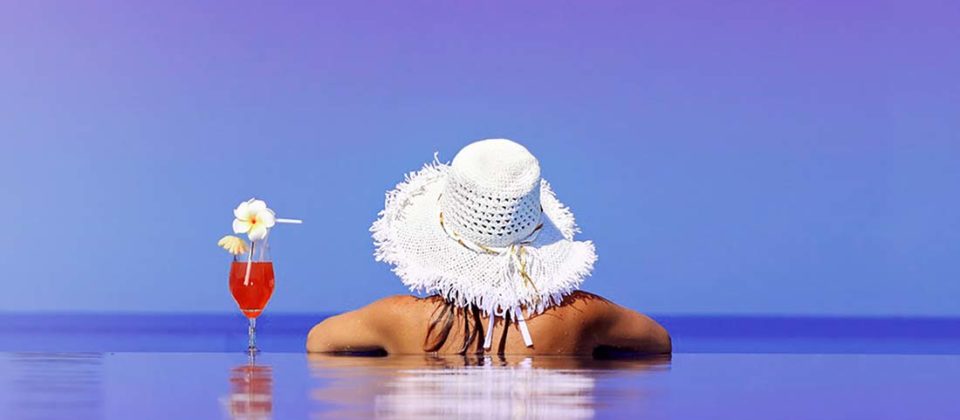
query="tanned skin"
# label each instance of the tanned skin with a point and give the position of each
(584, 324)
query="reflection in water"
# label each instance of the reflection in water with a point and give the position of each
(45, 385)
(251, 391)
(464, 387)
(487, 391)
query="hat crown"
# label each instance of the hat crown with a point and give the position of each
(498, 164)
(492, 195)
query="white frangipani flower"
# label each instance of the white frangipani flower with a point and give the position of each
(253, 218)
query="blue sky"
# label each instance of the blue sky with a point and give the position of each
(755, 158)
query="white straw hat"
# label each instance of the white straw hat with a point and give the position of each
(485, 230)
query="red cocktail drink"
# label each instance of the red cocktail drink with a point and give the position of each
(251, 294)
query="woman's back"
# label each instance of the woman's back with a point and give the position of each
(486, 236)
(583, 324)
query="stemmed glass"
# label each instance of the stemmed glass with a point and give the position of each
(251, 272)
(251, 283)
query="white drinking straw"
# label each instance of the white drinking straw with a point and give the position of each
(246, 279)
(263, 244)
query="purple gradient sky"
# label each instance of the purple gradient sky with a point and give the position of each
(760, 157)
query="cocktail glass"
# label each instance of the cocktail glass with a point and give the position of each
(251, 283)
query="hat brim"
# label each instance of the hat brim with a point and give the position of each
(408, 235)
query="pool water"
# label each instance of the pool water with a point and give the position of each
(289, 385)
(120, 368)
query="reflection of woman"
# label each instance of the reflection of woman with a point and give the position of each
(468, 386)
(489, 242)
(483, 392)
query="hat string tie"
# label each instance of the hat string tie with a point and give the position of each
(517, 313)
(488, 339)
(517, 256)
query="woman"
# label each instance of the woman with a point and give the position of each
(486, 239)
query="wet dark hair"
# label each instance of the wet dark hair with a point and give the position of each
(442, 322)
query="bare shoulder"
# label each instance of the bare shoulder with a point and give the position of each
(373, 327)
(395, 308)
(612, 325)
(587, 305)
(593, 304)
(394, 302)
(392, 310)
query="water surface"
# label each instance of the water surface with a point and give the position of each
(109, 366)
(289, 385)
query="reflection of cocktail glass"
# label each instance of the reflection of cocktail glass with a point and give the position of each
(251, 392)
(251, 283)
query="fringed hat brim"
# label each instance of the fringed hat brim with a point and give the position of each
(408, 235)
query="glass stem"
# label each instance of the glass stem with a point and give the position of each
(252, 330)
